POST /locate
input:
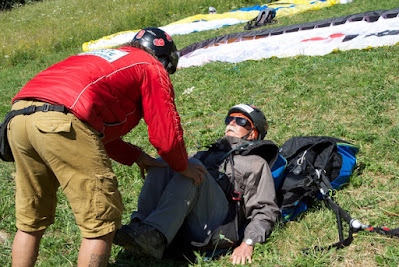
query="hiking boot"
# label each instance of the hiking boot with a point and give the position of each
(125, 237)
(151, 241)
(135, 222)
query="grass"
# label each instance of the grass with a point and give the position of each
(349, 95)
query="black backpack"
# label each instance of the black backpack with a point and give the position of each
(264, 18)
(316, 166)
(314, 163)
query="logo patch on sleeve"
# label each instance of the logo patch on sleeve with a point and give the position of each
(110, 55)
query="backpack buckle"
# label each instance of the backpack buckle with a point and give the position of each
(29, 110)
(236, 196)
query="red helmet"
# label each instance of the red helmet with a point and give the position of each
(162, 44)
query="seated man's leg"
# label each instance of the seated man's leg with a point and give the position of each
(154, 184)
(209, 211)
(205, 206)
(177, 200)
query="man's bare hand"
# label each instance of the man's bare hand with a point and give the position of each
(145, 162)
(242, 254)
(195, 172)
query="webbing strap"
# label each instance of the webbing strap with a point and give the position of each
(5, 149)
(340, 214)
(383, 231)
(32, 109)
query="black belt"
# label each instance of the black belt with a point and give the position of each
(32, 109)
(5, 149)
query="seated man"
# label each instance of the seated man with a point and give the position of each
(235, 199)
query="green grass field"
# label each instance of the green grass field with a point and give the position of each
(350, 95)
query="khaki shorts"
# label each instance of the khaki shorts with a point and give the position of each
(52, 149)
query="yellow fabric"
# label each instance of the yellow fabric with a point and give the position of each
(284, 8)
(53, 149)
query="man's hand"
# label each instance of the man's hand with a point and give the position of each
(242, 253)
(195, 172)
(145, 162)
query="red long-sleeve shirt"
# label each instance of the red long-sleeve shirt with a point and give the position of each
(111, 90)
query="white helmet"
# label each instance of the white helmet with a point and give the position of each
(255, 115)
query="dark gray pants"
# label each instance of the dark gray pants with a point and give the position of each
(168, 199)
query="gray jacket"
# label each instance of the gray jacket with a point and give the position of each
(253, 178)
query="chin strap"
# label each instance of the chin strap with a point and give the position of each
(246, 136)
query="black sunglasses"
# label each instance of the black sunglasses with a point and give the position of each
(243, 122)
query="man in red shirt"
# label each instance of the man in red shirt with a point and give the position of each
(75, 113)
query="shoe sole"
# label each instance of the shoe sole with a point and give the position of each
(149, 250)
(127, 241)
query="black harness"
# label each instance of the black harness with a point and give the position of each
(5, 149)
(230, 233)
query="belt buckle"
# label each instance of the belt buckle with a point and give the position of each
(29, 110)
(46, 107)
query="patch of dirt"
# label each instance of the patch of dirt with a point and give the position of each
(3, 237)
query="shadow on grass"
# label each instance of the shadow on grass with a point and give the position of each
(124, 259)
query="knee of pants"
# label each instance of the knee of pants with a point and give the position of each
(156, 172)
(208, 176)
(195, 161)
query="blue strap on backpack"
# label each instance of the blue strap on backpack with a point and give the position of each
(278, 170)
